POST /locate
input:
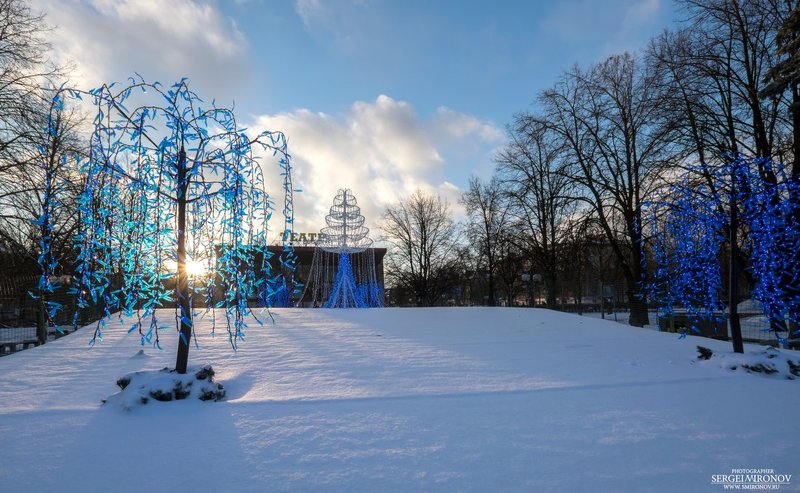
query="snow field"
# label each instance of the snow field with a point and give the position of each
(457, 399)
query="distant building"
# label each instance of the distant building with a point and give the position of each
(305, 257)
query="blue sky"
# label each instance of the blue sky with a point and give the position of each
(379, 96)
(487, 59)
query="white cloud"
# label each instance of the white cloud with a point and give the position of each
(453, 126)
(164, 40)
(382, 150)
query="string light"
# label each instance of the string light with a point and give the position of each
(127, 240)
(345, 242)
(688, 236)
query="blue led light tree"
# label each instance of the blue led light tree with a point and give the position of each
(770, 200)
(55, 182)
(343, 248)
(173, 187)
(689, 237)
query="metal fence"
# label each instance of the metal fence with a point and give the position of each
(754, 324)
(19, 312)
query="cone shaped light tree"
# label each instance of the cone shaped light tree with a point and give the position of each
(346, 239)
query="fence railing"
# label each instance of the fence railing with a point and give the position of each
(20, 312)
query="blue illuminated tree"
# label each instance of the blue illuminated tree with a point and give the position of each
(691, 230)
(53, 183)
(770, 199)
(687, 236)
(173, 187)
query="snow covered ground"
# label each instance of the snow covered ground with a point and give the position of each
(454, 399)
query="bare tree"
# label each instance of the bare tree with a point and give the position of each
(423, 239)
(512, 264)
(784, 77)
(24, 71)
(35, 138)
(25, 97)
(46, 170)
(727, 52)
(687, 99)
(488, 227)
(618, 146)
(540, 195)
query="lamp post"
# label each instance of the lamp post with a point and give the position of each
(526, 278)
(536, 279)
(468, 298)
(530, 280)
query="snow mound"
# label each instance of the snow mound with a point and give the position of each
(770, 362)
(165, 385)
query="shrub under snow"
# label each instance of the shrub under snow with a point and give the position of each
(142, 387)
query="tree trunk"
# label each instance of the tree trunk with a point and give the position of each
(637, 295)
(637, 299)
(41, 319)
(733, 289)
(492, 295)
(552, 290)
(182, 282)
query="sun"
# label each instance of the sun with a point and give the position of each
(194, 268)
